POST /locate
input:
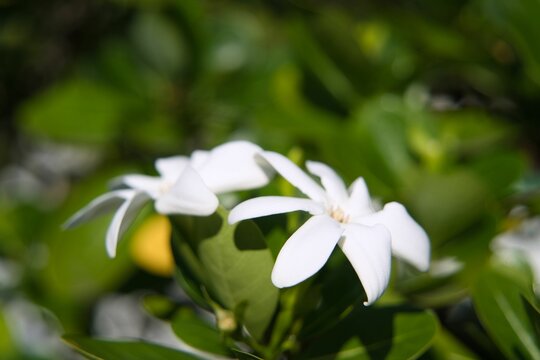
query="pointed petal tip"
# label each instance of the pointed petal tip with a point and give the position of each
(68, 224)
(368, 248)
(111, 253)
(410, 241)
(420, 259)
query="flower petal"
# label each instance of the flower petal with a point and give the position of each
(170, 168)
(409, 241)
(189, 195)
(306, 251)
(368, 248)
(198, 158)
(270, 205)
(123, 218)
(359, 202)
(99, 206)
(149, 184)
(233, 166)
(293, 174)
(332, 182)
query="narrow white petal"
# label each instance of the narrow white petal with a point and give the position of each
(170, 168)
(295, 176)
(269, 205)
(189, 195)
(233, 166)
(359, 202)
(306, 251)
(101, 205)
(368, 248)
(409, 241)
(149, 184)
(123, 218)
(331, 181)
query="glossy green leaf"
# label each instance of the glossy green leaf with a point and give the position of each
(238, 265)
(498, 300)
(376, 333)
(99, 349)
(197, 333)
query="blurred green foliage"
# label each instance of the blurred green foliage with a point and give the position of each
(434, 103)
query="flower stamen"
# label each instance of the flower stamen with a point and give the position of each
(339, 215)
(164, 187)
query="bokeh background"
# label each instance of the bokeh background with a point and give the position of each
(436, 104)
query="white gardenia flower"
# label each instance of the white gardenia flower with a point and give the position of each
(185, 185)
(340, 216)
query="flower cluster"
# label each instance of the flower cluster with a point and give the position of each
(340, 216)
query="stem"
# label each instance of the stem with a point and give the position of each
(285, 319)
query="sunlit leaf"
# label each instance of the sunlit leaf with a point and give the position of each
(238, 265)
(500, 305)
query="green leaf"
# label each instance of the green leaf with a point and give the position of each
(498, 300)
(197, 333)
(445, 346)
(376, 333)
(340, 290)
(242, 355)
(97, 349)
(78, 110)
(238, 266)
(189, 272)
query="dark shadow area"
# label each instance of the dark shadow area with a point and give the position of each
(207, 227)
(247, 236)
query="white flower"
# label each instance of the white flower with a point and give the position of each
(523, 241)
(340, 216)
(184, 186)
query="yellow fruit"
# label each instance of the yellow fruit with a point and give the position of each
(151, 247)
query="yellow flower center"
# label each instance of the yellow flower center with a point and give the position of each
(164, 187)
(339, 215)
